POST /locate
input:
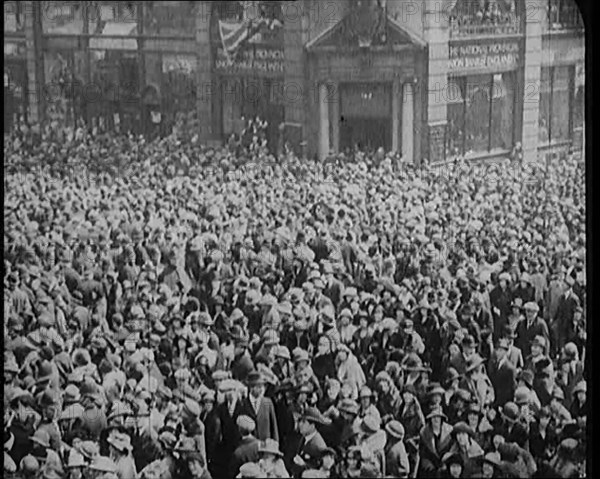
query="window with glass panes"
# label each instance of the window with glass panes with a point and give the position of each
(480, 113)
(556, 101)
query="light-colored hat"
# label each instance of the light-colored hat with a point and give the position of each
(270, 446)
(245, 422)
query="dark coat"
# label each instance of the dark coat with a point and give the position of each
(431, 455)
(230, 434)
(312, 451)
(563, 319)
(525, 335)
(266, 421)
(504, 380)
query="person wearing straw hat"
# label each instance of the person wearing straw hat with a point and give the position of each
(434, 440)
(396, 457)
(120, 453)
(271, 459)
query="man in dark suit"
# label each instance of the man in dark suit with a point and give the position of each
(312, 444)
(260, 408)
(502, 373)
(531, 327)
(563, 325)
(247, 451)
(229, 437)
(501, 299)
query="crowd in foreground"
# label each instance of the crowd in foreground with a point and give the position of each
(170, 313)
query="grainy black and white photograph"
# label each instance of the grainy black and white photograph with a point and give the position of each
(295, 239)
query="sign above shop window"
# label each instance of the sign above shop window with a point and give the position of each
(258, 59)
(497, 56)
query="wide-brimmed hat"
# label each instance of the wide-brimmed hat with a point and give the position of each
(435, 388)
(510, 412)
(103, 464)
(370, 424)
(395, 429)
(75, 459)
(250, 470)
(462, 427)
(365, 391)
(526, 376)
(300, 355)
(270, 446)
(436, 411)
(255, 378)
(539, 341)
(313, 415)
(451, 375)
(522, 396)
(581, 386)
(41, 437)
(282, 352)
(473, 362)
(10, 365)
(492, 458)
(349, 406)
(120, 441)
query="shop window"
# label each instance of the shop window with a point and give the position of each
(555, 120)
(480, 114)
(503, 101)
(455, 97)
(170, 18)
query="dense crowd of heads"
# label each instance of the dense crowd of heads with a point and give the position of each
(179, 311)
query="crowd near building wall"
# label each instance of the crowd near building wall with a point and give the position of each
(427, 79)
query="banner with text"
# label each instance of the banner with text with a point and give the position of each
(503, 55)
(256, 60)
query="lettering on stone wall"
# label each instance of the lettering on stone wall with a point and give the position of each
(494, 55)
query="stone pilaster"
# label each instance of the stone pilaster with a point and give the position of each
(36, 100)
(532, 64)
(435, 23)
(205, 88)
(295, 87)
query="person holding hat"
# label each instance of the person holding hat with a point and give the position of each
(396, 457)
(531, 327)
(271, 459)
(260, 408)
(247, 451)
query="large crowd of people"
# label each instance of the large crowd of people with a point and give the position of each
(174, 311)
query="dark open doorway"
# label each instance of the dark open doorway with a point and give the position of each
(365, 133)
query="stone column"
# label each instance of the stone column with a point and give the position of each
(335, 117)
(36, 101)
(205, 89)
(532, 76)
(323, 121)
(435, 23)
(408, 109)
(295, 91)
(396, 98)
